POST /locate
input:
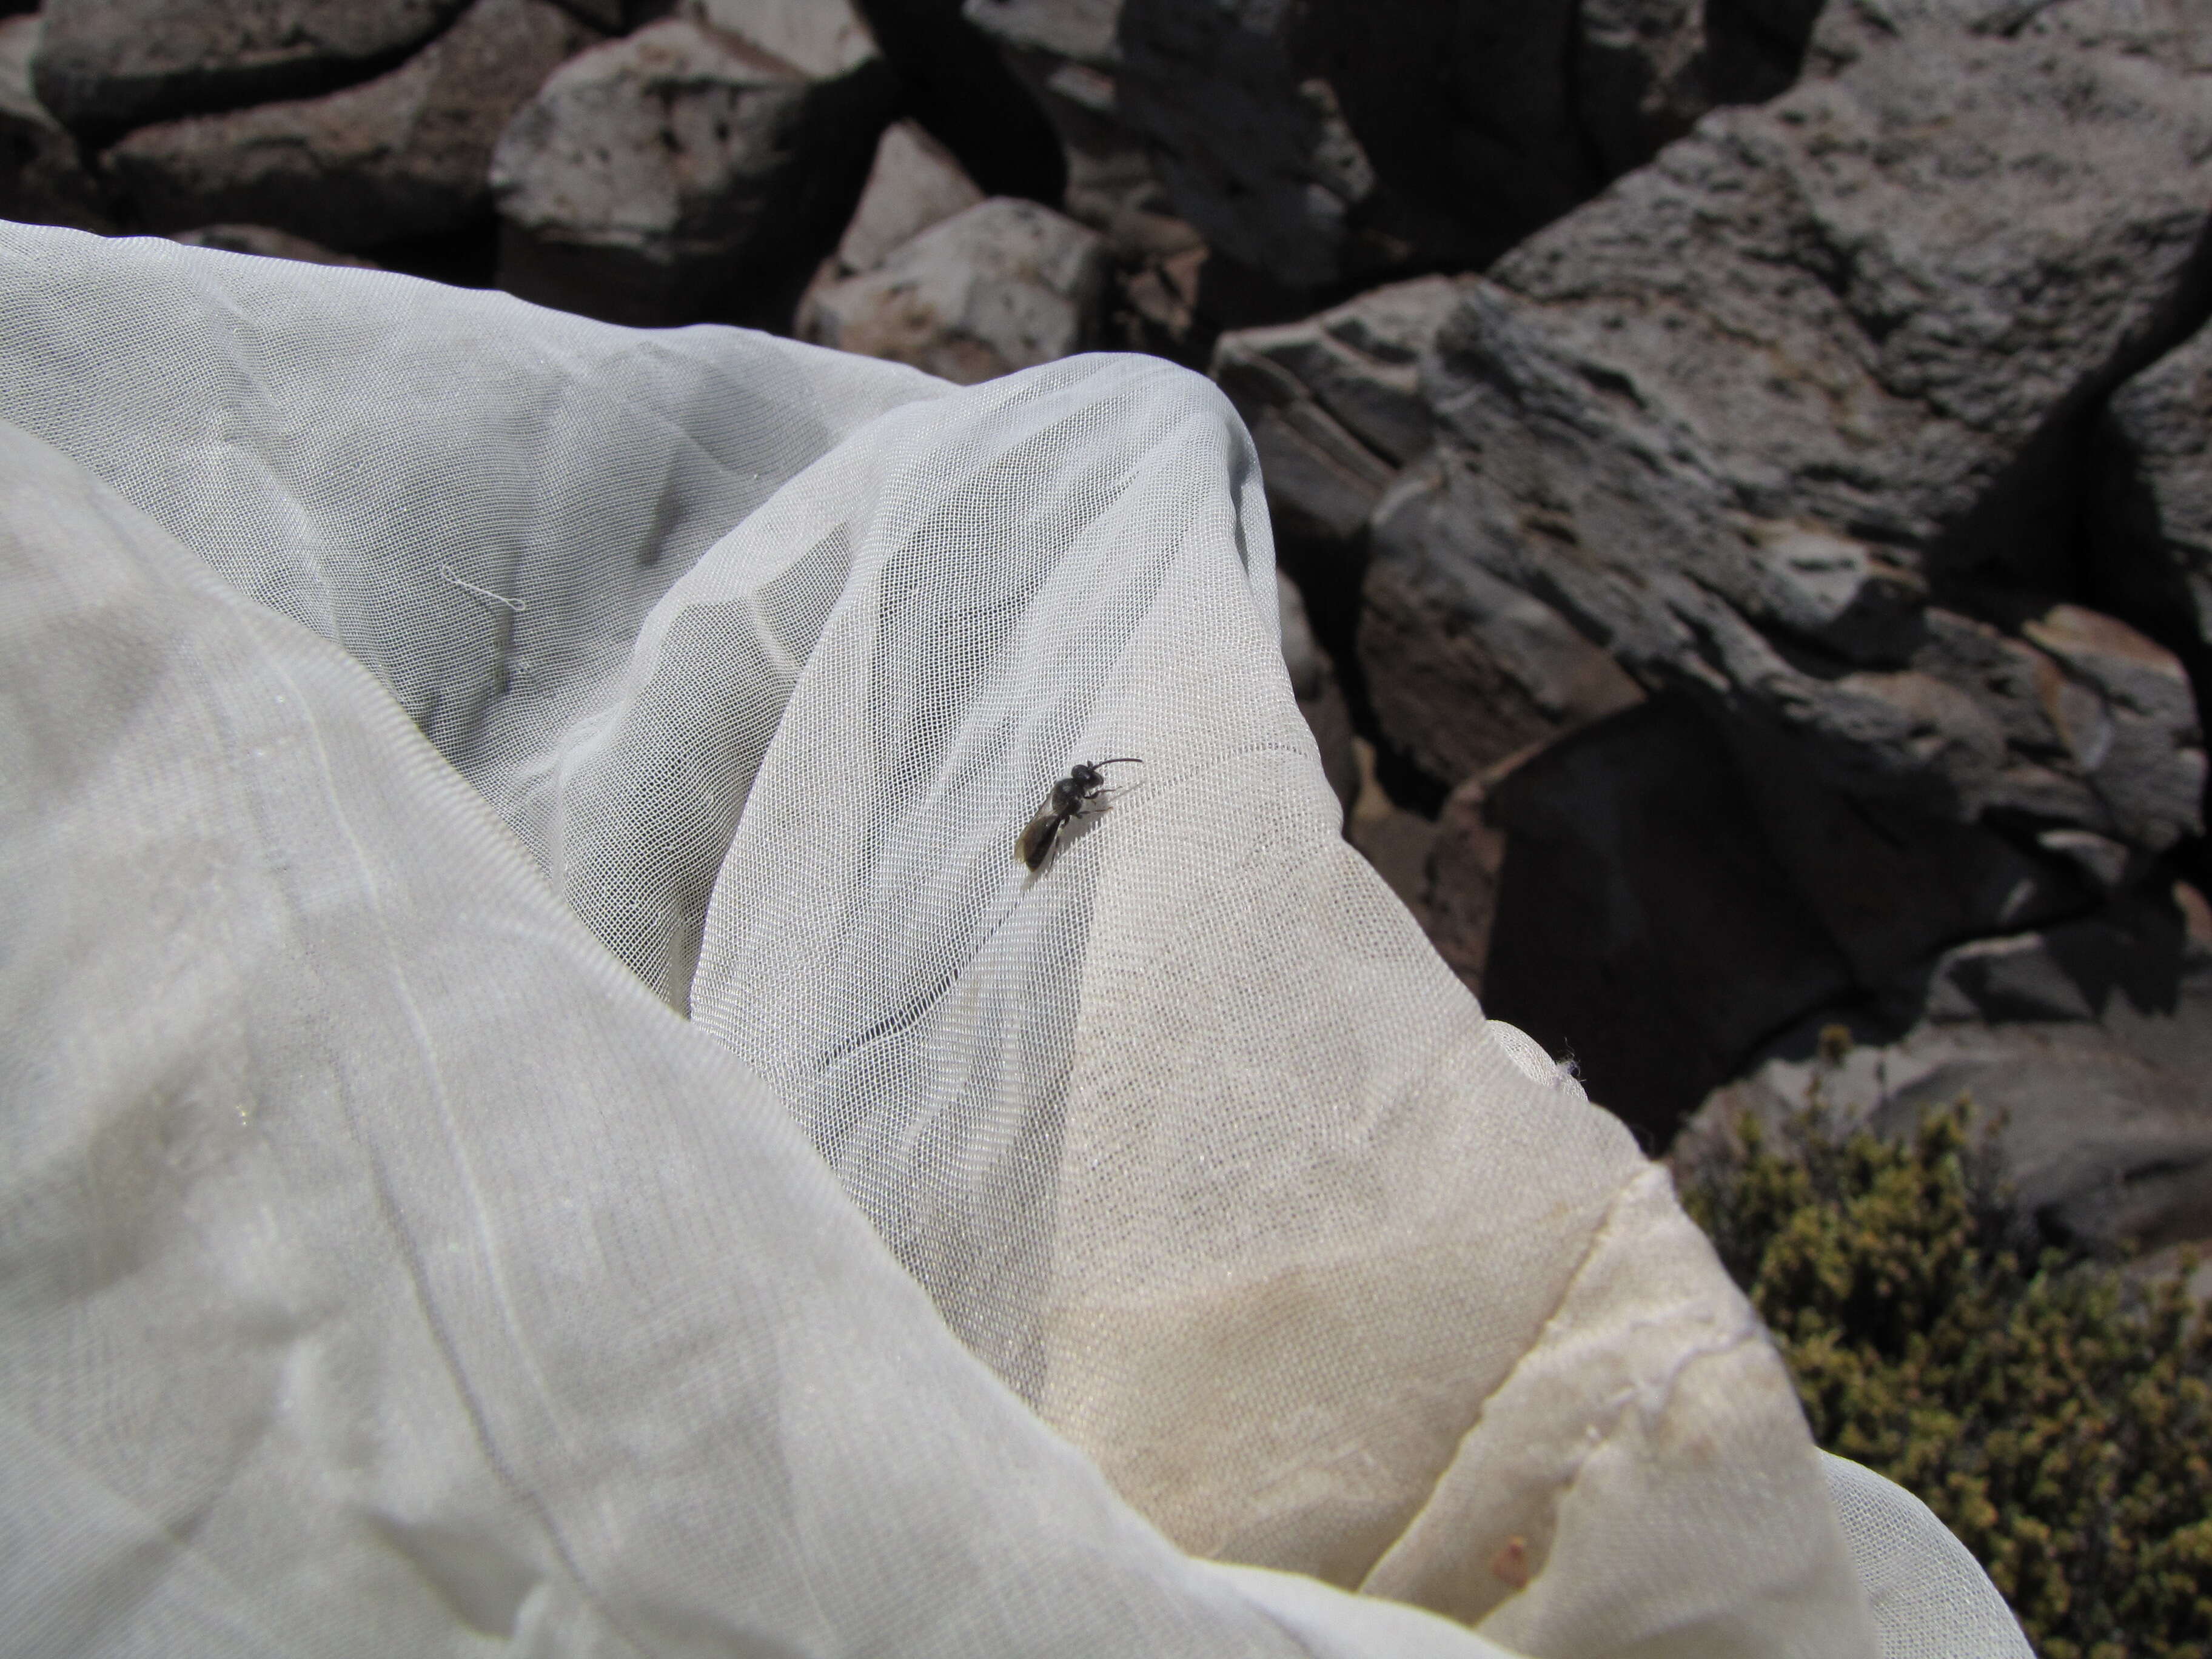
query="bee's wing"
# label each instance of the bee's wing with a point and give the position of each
(1036, 840)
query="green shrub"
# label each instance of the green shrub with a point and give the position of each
(2058, 1418)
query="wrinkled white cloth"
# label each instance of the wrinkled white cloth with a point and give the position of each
(541, 1108)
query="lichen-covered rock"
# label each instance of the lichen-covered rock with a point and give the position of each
(405, 154)
(698, 168)
(1005, 285)
(44, 178)
(104, 66)
(1742, 417)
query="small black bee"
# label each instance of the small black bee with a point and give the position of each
(1067, 799)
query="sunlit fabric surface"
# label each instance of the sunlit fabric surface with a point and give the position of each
(543, 1112)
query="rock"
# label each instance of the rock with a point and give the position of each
(267, 243)
(2152, 532)
(107, 65)
(608, 17)
(1462, 674)
(914, 184)
(1465, 862)
(2089, 1047)
(1068, 54)
(1248, 138)
(1320, 699)
(44, 180)
(1742, 417)
(1335, 402)
(1335, 409)
(1468, 673)
(955, 82)
(2125, 707)
(1892, 887)
(405, 154)
(1641, 922)
(697, 169)
(1004, 286)
(1645, 70)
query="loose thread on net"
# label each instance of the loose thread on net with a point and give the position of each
(517, 605)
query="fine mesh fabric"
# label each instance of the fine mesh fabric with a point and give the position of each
(543, 1111)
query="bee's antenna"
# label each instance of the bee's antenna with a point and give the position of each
(1123, 760)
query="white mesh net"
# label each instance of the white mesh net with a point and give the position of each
(386, 1271)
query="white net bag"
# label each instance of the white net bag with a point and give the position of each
(388, 1268)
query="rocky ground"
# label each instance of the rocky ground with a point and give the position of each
(1743, 473)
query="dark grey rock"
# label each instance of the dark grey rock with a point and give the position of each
(1892, 887)
(1740, 417)
(1335, 409)
(699, 169)
(1167, 297)
(107, 65)
(1248, 138)
(1334, 402)
(2089, 1047)
(1462, 673)
(1322, 146)
(405, 154)
(607, 16)
(44, 177)
(1004, 285)
(1641, 920)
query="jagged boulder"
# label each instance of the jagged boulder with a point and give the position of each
(104, 66)
(406, 155)
(699, 169)
(1784, 418)
(44, 177)
(1005, 285)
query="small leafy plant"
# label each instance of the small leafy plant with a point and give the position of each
(2058, 1417)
